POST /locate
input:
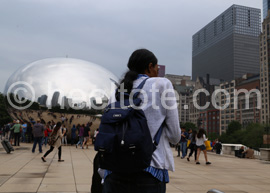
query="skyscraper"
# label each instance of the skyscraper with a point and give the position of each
(264, 73)
(266, 7)
(55, 99)
(228, 47)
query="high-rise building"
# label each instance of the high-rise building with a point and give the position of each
(228, 47)
(266, 7)
(43, 99)
(55, 99)
(264, 73)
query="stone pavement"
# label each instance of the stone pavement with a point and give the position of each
(23, 171)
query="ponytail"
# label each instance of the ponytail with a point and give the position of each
(128, 80)
(138, 63)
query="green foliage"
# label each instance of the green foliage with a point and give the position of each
(212, 136)
(251, 136)
(254, 135)
(4, 116)
(188, 125)
(233, 127)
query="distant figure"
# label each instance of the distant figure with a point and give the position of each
(73, 134)
(241, 152)
(192, 145)
(86, 135)
(7, 131)
(81, 132)
(46, 134)
(24, 127)
(29, 133)
(218, 146)
(249, 153)
(201, 146)
(38, 131)
(17, 128)
(64, 139)
(183, 142)
(58, 133)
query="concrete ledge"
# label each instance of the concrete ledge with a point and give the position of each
(265, 154)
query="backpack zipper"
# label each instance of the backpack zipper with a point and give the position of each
(123, 134)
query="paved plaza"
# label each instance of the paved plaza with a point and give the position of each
(23, 171)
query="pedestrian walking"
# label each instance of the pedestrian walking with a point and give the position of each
(192, 145)
(201, 146)
(56, 137)
(81, 132)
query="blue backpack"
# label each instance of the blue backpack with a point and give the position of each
(124, 142)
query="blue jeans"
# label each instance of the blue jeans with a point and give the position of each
(23, 137)
(183, 148)
(141, 182)
(39, 141)
(45, 141)
(80, 140)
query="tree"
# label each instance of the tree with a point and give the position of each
(188, 125)
(233, 126)
(4, 116)
(254, 135)
(212, 136)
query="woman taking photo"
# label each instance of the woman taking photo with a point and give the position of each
(201, 146)
(142, 64)
(58, 136)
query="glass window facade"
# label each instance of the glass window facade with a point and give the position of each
(228, 47)
(266, 6)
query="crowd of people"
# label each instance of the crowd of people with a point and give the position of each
(195, 142)
(38, 132)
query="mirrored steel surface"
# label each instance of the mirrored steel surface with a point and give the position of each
(66, 82)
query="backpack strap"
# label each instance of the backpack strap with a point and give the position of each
(139, 88)
(158, 135)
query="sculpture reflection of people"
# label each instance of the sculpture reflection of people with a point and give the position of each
(142, 64)
(201, 146)
(57, 144)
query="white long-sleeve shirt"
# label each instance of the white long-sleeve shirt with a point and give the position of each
(154, 106)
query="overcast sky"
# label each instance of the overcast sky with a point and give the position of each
(104, 32)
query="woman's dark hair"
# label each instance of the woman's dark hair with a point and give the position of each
(57, 127)
(194, 133)
(138, 62)
(200, 133)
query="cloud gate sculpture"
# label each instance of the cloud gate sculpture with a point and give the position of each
(62, 85)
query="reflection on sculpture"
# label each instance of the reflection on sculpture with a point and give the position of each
(53, 87)
(63, 82)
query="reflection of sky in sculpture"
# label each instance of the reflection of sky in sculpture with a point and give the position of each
(64, 75)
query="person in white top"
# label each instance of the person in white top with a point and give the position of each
(159, 106)
(201, 146)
